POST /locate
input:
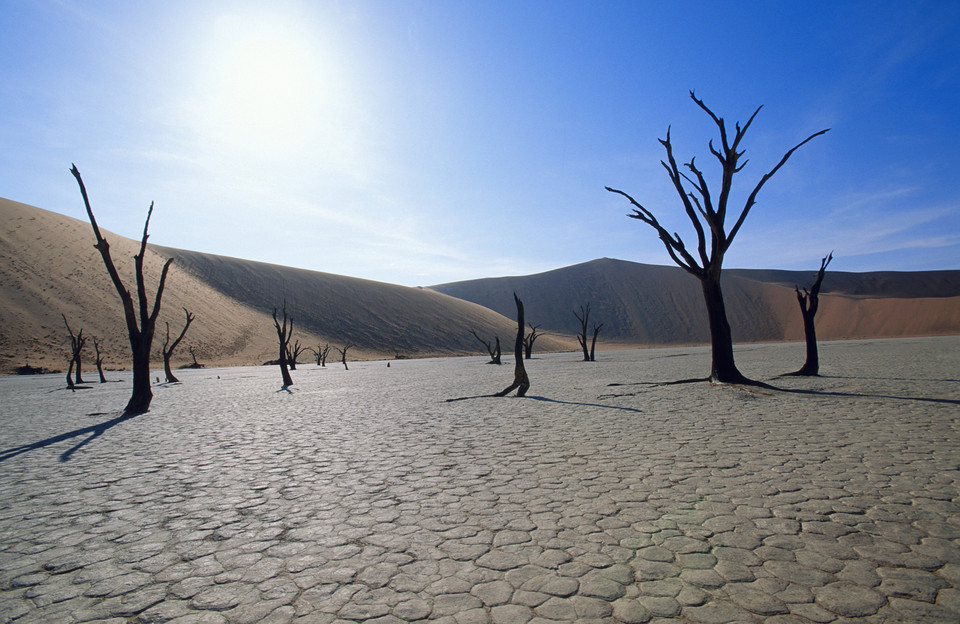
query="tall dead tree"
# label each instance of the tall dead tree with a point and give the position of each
(589, 354)
(140, 332)
(809, 303)
(521, 382)
(283, 336)
(529, 339)
(709, 222)
(77, 342)
(168, 348)
(96, 348)
(321, 353)
(293, 353)
(493, 350)
(343, 355)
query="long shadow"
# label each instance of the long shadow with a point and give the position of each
(765, 386)
(613, 407)
(95, 432)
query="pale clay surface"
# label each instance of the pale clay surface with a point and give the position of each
(361, 495)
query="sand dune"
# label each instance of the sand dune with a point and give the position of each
(48, 266)
(650, 304)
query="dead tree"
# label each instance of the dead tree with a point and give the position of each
(77, 342)
(493, 350)
(293, 353)
(529, 339)
(343, 355)
(709, 223)
(96, 348)
(283, 335)
(168, 352)
(584, 318)
(195, 364)
(140, 332)
(321, 353)
(809, 302)
(520, 380)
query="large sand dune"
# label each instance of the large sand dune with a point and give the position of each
(649, 304)
(49, 267)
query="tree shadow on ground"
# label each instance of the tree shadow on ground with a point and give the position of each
(765, 386)
(547, 400)
(95, 432)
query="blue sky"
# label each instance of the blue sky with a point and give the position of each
(419, 142)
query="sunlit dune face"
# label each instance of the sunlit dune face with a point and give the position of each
(266, 86)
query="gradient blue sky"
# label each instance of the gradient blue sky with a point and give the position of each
(425, 141)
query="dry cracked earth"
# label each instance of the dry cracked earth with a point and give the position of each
(362, 496)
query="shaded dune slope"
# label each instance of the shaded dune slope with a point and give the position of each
(651, 304)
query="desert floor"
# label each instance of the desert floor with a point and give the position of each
(362, 495)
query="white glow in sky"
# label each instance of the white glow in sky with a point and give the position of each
(429, 141)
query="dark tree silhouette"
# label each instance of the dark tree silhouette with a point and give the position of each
(195, 364)
(529, 339)
(809, 303)
(168, 348)
(589, 355)
(343, 355)
(96, 348)
(140, 333)
(493, 350)
(283, 335)
(520, 380)
(293, 353)
(77, 342)
(321, 353)
(708, 220)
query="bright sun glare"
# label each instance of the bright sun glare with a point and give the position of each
(264, 84)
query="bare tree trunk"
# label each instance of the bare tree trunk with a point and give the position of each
(493, 351)
(96, 348)
(520, 379)
(70, 384)
(593, 344)
(723, 368)
(584, 318)
(284, 337)
(809, 304)
(77, 343)
(293, 354)
(321, 353)
(530, 339)
(168, 353)
(140, 334)
(343, 355)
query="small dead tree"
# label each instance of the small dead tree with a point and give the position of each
(520, 379)
(193, 354)
(77, 342)
(168, 348)
(584, 317)
(343, 355)
(809, 303)
(493, 350)
(96, 348)
(529, 339)
(139, 332)
(283, 335)
(321, 353)
(713, 239)
(293, 353)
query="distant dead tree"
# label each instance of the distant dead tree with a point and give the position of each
(193, 354)
(168, 348)
(343, 355)
(589, 355)
(700, 204)
(283, 335)
(140, 332)
(529, 339)
(293, 353)
(809, 303)
(321, 353)
(521, 382)
(77, 342)
(96, 348)
(494, 351)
